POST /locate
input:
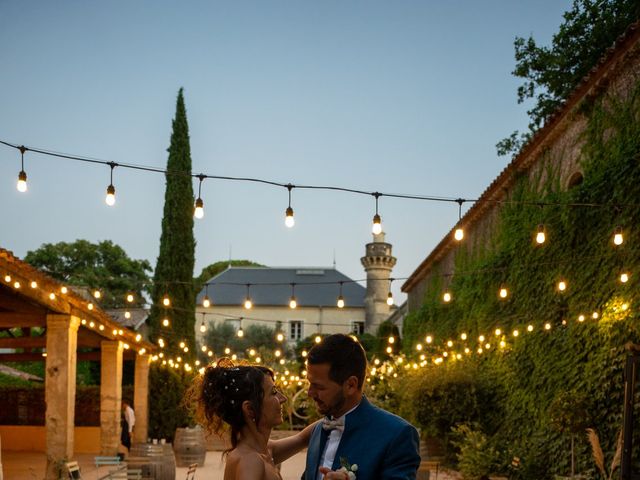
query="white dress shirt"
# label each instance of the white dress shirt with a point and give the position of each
(331, 447)
(130, 417)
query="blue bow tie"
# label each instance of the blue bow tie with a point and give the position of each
(337, 424)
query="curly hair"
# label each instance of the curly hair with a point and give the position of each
(220, 392)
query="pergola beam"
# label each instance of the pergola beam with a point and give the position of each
(15, 320)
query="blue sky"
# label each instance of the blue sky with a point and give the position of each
(397, 97)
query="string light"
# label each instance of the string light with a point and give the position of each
(130, 298)
(318, 339)
(198, 209)
(206, 301)
(458, 235)
(617, 236)
(203, 327)
(110, 199)
(292, 301)
(624, 277)
(289, 221)
(240, 332)
(97, 294)
(247, 301)
(503, 292)
(376, 227)
(34, 284)
(562, 285)
(165, 322)
(22, 176)
(541, 235)
(390, 299)
(446, 297)
(166, 301)
(280, 337)
(428, 339)
(340, 302)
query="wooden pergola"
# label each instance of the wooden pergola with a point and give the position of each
(49, 322)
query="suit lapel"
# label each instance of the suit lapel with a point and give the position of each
(316, 447)
(353, 421)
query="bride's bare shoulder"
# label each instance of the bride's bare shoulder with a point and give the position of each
(244, 465)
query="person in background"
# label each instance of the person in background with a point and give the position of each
(127, 422)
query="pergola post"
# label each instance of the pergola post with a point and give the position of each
(110, 396)
(141, 398)
(60, 390)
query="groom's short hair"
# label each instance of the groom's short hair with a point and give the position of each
(344, 355)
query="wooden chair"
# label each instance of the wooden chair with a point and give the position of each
(73, 471)
(191, 473)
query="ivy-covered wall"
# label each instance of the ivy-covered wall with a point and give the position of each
(572, 368)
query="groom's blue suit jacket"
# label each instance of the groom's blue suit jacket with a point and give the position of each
(383, 445)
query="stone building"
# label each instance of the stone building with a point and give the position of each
(316, 291)
(558, 144)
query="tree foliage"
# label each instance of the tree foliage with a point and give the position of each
(102, 266)
(551, 73)
(223, 335)
(174, 268)
(538, 374)
(214, 269)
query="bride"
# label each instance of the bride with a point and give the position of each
(245, 398)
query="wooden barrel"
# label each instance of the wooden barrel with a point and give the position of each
(157, 462)
(189, 446)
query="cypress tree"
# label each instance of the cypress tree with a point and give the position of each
(173, 275)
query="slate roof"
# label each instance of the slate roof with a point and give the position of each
(314, 287)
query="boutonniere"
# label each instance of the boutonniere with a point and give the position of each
(349, 469)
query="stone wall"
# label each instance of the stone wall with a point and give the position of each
(556, 150)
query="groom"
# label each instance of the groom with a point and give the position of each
(382, 445)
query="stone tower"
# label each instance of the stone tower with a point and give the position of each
(378, 264)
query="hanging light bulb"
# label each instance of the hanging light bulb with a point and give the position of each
(624, 277)
(22, 176)
(130, 298)
(340, 301)
(165, 301)
(459, 232)
(292, 301)
(97, 294)
(289, 221)
(206, 301)
(446, 297)
(247, 301)
(110, 199)
(198, 210)
(165, 322)
(540, 236)
(240, 333)
(203, 327)
(280, 337)
(390, 299)
(503, 292)
(376, 227)
(562, 285)
(617, 236)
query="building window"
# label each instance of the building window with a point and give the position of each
(295, 330)
(357, 327)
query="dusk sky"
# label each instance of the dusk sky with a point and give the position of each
(397, 97)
